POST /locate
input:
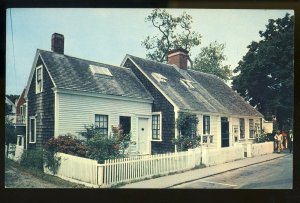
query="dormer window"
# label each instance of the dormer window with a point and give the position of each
(100, 70)
(187, 83)
(159, 77)
(39, 79)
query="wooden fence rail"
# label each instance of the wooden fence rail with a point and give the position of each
(128, 169)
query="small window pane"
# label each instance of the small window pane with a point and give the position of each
(101, 123)
(156, 127)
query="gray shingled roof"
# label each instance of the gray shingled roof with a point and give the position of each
(73, 74)
(211, 94)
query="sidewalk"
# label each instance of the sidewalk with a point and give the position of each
(172, 180)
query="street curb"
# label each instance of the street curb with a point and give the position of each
(188, 181)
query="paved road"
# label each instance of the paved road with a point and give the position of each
(274, 174)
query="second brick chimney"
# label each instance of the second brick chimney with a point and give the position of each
(57, 43)
(178, 57)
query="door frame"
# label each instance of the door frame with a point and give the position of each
(149, 134)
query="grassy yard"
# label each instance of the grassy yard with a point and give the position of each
(17, 176)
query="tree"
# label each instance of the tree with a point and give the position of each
(10, 133)
(210, 60)
(175, 32)
(265, 76)
(13, 97)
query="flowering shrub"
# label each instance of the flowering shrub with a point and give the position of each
(66, 144)
(102, 147)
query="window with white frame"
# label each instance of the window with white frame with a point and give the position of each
(21, 110)
(206, 125)
(32, 130)
(39, 79)
(251, 128)
(242, 128)
(156, 127)
(101, 123)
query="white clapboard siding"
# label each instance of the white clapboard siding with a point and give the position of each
(75, 111)
(214, 156)
(262, 148)
(78, 168)
(138, 167)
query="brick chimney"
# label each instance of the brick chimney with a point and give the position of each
(57, 43)
(178, 57)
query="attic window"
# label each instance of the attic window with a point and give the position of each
(39, 80)
(159, 77)
(100, 70)
(187, 83)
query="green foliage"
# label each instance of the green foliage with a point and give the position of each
(174, 32)
(13, 97)
(8, 109)
(32, 159)
(263, 137)
(102, 147)
(184, 143)
(10, 133)
(52, 162)
(186, 123)
(67, 144)
(266, 77)
(210, 60)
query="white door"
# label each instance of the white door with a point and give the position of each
(143, 133)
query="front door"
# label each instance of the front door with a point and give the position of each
(143, 132)
(224, 132)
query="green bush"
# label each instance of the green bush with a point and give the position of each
(186, 123)
(184, 143)
(32, 159)
(102, 147)
(67, 144)
(52, 162)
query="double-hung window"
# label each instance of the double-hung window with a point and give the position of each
(156, 127)
(39, 79)
(206, 125)
(101, 123)
(32, 130)
(242, 128)
(251, 128)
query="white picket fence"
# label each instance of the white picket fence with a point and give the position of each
(128, 169)
(77, 169)
(89, 172)
(214, 156)
(259, 149)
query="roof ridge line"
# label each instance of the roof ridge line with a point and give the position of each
(117, 66)
(170, 65)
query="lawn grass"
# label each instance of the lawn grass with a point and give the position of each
(40, 174)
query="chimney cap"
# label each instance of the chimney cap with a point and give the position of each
(178, 50)
(57, 35)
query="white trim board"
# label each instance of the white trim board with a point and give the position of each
(92, 94)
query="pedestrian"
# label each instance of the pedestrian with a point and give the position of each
(278, 140)
(291, 139)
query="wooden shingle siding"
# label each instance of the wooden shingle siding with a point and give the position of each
(161, 104)
(42, 106)
(75, 111)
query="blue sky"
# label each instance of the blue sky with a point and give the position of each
(107, 35)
